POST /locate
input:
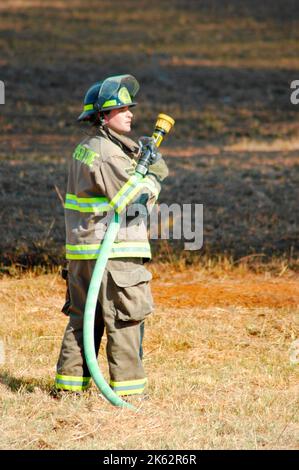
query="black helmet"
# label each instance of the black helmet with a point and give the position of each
(113, 92)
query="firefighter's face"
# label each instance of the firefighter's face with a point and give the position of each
(119, 120)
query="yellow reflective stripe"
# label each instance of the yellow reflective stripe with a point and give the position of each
(67, 382)
(133, 249)
(126, 193)
(130, 189)
(82, 247)
(86, 204)
(73, 207)
(128, 382)
(88, 107)
(87, 199)
(73, 388)
(128, 199)
(72, 377)
(95, 209)
(125, 201)
(132, 182)
(131, 254)
(109, 103)
(75, 256)
(130, 387)
(98, 245)
(121, 393)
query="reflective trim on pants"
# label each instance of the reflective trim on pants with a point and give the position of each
(129, 387)
(68, 382)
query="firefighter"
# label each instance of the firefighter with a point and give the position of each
(98, 183)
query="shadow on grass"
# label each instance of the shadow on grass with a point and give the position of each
(27, 385)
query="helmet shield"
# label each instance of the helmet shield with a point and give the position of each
(117, 92)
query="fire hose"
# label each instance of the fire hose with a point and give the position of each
(163, 125)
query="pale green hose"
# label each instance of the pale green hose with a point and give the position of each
(89, 314)
(93, 292)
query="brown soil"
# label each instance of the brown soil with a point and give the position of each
(250, 292)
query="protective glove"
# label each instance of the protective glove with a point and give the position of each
(148, 143)
(159, 169)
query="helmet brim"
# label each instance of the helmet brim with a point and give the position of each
(85, 115)
(109, 108)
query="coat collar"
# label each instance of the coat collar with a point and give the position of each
(127, 144)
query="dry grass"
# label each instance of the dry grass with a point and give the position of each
(219, 377)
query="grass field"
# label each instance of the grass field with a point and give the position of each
(217, 346)
(219, 370)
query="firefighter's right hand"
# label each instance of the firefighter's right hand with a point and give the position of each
(148, 144)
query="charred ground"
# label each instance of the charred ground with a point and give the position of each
(221, 69)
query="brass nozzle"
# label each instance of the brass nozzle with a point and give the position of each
(164, 122)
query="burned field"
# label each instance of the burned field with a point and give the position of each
(222, 70)
(249, 203)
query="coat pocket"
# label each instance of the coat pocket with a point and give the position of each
(131, 293)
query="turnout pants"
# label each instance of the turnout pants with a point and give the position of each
(123, 303)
